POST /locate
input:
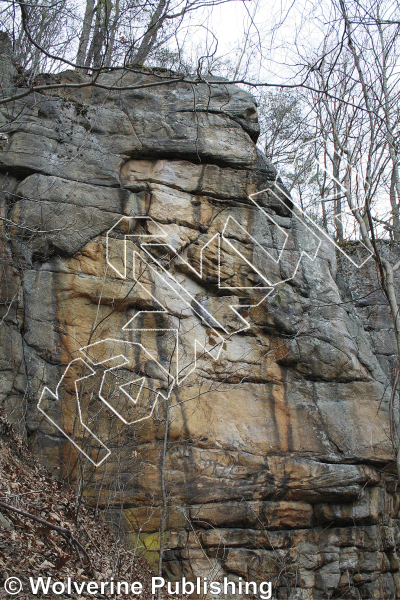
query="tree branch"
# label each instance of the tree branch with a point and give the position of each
(66, 533)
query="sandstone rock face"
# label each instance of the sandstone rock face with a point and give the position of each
(268, 445)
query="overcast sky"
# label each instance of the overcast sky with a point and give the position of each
(268, 31)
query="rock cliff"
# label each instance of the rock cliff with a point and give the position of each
(260, 432)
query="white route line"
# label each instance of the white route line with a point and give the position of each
(188, 300)
(56, 398)
(316, 164)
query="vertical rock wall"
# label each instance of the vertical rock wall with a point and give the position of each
(278, 463)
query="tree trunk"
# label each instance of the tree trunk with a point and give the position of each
(395, 207)
(85, 33)
(337, 200)
(395, 182)
(102, 19)
(150, 36)
(90, 58)
(111, 40)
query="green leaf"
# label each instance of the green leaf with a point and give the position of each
(278, 298)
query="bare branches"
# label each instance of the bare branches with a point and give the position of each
(66, 533)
